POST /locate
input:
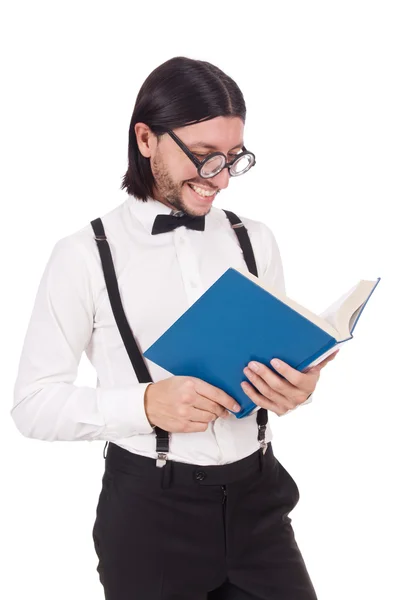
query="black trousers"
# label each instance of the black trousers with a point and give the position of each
(187, 532)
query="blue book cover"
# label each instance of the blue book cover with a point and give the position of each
(237, 320)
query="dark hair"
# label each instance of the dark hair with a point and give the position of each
(179, 92)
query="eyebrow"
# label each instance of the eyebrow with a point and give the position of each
(210, 147)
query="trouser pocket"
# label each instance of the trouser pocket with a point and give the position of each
(288, 488)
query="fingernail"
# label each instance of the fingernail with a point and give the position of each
(254, 366)
(236, 407)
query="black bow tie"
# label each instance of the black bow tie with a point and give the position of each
(164, 223)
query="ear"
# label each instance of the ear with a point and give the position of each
(145, 139)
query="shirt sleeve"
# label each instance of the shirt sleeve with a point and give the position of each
(273, 274)
(47, 405)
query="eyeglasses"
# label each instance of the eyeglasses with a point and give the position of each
(216, 161)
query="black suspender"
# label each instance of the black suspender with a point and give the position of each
(245, 242)
(134, 353)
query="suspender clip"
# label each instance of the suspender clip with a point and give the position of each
(261, 438)
(263, 446)
(161, 459)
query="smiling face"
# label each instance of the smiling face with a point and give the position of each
(173, 171)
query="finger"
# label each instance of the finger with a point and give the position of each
(178, 426)
(206, 405)
(194, 427)
(261, 400)
(295, 377)
(322, 364)
(186, 413)
(281, 385)
(216, 395)
(265, 388)
(328, 359)
(201, 416)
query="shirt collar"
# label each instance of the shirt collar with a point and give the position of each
(146, 212)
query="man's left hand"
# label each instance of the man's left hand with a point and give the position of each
(278, 394)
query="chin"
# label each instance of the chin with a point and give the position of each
(195, 204)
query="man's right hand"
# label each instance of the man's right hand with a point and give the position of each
(186, 404)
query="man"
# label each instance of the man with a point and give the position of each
(194, 503)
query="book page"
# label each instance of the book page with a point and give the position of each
(329, 314)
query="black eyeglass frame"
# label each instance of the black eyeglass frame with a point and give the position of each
(200, 163)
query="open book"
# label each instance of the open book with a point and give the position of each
(339, 319)
(239, 319)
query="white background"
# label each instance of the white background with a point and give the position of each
(319, 80)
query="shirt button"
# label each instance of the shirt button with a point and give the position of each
(200, 475)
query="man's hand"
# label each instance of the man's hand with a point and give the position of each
(186, 404)
(278, 394)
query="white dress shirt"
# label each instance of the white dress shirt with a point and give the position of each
(159, 277)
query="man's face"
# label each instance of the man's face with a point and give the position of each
(173, 171)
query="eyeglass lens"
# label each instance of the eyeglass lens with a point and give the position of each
(215, 164)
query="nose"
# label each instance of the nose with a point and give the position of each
(221, 180)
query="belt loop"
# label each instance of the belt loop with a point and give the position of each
(166, 475)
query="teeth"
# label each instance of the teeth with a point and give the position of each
(201, 191)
